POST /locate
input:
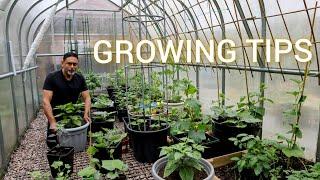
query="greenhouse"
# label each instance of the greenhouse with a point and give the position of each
(159, 89)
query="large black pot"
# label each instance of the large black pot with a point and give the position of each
(98, 125)
(103, 153)
(111, 92)
(121, 114)
(146, 144)
(224, 131)
(64, 154)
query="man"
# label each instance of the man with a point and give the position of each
(62, 87)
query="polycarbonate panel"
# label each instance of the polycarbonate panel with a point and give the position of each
(274, 121)
(35, 89)
(18, 88)
(29, 97)
(3, 55)
(208, 87)
(7, 117)
(236, 86)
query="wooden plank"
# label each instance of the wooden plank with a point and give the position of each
(225, 159)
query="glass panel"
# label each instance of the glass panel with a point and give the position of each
(7, 116)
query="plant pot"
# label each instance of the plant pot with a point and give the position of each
(97, 126)
(74, 137)
(224, 132)
(110, 91)
(146, 144)
(211, 145)
(161, 163)
(103, 153)
(170, 106)
(121, 114)
(64, 154)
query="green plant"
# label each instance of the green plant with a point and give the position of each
(311, 173)
(92, 81)
(102, 101)
(191, 121)
(250, 105)
(107, 139)
(63, 170)
(114, 168)
(183, 158)
(89, 173)
(221, 111)
(117, 78)
(261, 156)
(69, 115)
(38, 175)
(103, 116)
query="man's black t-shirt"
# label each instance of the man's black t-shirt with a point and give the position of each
(64, 91)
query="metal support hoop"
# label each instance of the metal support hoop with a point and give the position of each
(143, 18)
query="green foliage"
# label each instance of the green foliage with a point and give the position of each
(177, 86)
(38, 175)
(63, 170)
(191, 121)
(261, 155)
(294, 113)
(103, 116)
(107, 139)
(102, 101)
(92, 81)
(249, 106)
(222, 111)
(117, 78)
(183, 157)
(312, 173)
(69, 115)
(89, 173)
(114, 167)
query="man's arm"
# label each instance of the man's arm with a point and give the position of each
(47, 96)
(87, 105)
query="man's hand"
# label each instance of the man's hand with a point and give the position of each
(53, 126)
(86, 118)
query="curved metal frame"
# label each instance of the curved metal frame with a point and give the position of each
(128, 18)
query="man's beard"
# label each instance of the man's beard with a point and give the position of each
(71, 73)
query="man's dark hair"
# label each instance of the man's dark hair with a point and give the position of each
(70, 54)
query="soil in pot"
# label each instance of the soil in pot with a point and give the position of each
(147, 141)
(198, 175)
(64, 154)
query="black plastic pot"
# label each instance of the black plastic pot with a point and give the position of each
(121, 114)
(146, 144)
(64, 154)
(110, 90)
(103, 153)
(211, 143)
(224, 131)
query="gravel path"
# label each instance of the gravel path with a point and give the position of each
(31, 156)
